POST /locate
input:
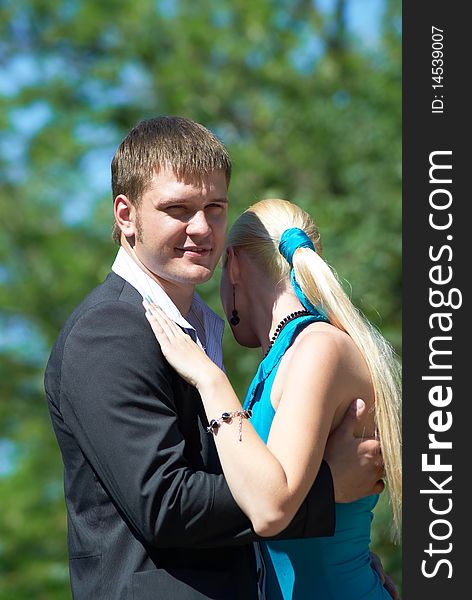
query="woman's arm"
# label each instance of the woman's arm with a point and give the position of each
(268, 482)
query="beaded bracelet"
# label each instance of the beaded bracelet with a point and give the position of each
(227, 417)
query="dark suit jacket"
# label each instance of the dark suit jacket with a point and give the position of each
(150, 515)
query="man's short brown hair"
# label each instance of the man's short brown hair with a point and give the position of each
(190, 149)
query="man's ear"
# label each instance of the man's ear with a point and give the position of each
(125, 215)
(233, 265)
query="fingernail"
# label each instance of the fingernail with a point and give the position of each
(359, 405)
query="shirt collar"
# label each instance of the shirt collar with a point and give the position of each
(127, 269)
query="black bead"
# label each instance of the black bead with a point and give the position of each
(234, 319)
(282, 324)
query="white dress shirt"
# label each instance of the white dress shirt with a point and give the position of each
(203, 325)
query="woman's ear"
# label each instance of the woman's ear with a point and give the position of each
(233, 265)
(125, 215)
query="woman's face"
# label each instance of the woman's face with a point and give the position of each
(226, 292)
(239, 296)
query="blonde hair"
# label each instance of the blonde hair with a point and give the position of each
(258, 230)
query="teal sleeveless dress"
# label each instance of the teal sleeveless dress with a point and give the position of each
(325, 568)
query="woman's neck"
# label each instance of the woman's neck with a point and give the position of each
(285, 304)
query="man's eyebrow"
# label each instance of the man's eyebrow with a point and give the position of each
(171, 201)
(222, 200)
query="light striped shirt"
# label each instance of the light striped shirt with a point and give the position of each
(201, 323)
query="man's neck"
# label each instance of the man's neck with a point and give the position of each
(181, 295)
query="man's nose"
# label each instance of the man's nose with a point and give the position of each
(198, 224)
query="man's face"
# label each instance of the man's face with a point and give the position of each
(180, 227)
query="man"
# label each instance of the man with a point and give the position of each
(149, 512)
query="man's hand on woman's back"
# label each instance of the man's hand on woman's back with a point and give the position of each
(356, 464)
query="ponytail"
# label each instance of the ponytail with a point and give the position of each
(322, 288)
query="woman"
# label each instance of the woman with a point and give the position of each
(319, 354)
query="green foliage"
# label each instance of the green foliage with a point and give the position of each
(308, 114)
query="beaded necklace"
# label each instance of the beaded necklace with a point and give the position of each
(281, 325)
